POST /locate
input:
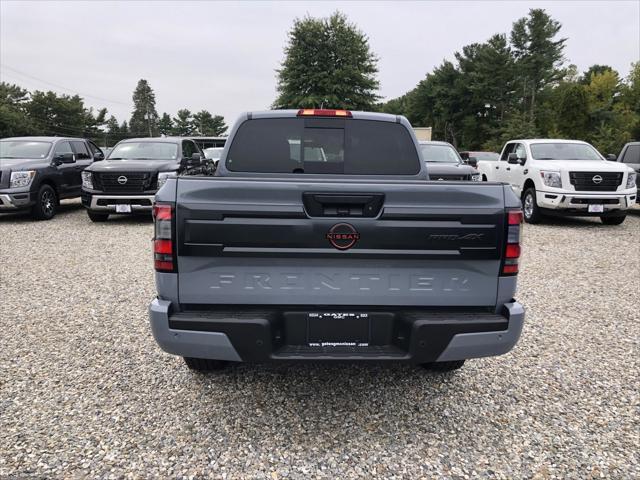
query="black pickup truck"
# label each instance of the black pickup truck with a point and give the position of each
(37, 172)
(320, 237)
(630, 156)
(135, 169)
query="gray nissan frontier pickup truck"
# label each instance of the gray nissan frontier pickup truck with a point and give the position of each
(321, 237)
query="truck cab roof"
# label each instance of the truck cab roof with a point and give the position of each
(42, 139)
(153, 140)
(547, 140)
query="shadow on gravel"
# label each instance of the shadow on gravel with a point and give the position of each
(635, 211)
(590, 222)
(66, 208)
(309, 392)
(141, 218)
(360, 404)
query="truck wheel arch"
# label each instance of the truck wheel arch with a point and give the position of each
(52, 184)
(528, 183)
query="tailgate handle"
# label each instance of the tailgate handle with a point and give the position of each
(343, 205)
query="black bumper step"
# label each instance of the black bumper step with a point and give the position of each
(286, 333)
(340, 352)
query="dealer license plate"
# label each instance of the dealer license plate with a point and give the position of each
(338, 329)
(127, 209)
(596, 208)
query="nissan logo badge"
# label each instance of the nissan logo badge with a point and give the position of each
(596, 179)
(343, 236)
(122, 179)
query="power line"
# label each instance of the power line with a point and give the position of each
(26, 75)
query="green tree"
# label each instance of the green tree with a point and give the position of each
(115, 132)
(572, 119)
(630, 99)
(487, 82)
(489, 73)
(585, 79)
(165, 125)
(54, 114)
(631, 89)
(602, 91)
(396, 106)
(14, 120)
(518, 125)
(328, 64)
(183, 123)
(439, 101)
(614, 121)
(538, 54)
(209, 125)
(94, 123)
(144, 120)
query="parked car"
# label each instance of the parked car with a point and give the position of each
(37, 172)
(472, 158)
(106, 150)
(630, 156)
(213, 153)
(127, 181)
(563, 177)
(209, 142)
(347, 255)
(444, 163)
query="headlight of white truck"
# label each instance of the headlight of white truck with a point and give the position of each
(631, 180)
(476, 177)
(551, 179)
(163, 176)
(87, 180)
(21, 179)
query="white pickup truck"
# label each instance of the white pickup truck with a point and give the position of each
(563, 177)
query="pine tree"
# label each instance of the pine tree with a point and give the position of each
(14, 120)
(144, 120)
(165, 125)
(538, 55)
(209, 125)
(573, 111)
(183, 123)
(328, 64)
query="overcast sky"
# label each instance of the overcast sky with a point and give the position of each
(222, 57)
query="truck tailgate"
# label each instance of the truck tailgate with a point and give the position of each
(268, 242)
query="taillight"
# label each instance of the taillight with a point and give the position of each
(163, 247)
(512, 248)
(323, 112)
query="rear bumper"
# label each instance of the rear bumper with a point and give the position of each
(106, 203)
(576, 203)
(270, 335)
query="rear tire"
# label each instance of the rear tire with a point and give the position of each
(444, 366)
(46, 203)
(204, 365)
(98, 217)
(613, 220)
(530, 207)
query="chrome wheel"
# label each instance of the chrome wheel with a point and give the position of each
(46, 202)
(528, 205)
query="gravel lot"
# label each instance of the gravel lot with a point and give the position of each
(85, 392)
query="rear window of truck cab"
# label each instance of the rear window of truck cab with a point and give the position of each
(323, 145)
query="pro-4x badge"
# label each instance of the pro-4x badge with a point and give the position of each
(343, 236)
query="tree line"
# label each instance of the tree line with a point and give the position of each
(513, 85)
(50, 114)
(510, 86)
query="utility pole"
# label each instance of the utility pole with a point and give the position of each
(149, 120)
